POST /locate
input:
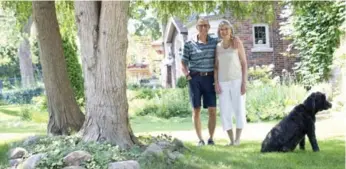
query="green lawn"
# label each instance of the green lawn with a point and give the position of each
(10, 122)
(247, 156)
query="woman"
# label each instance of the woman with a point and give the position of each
(230, 80)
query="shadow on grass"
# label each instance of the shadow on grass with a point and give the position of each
(247, 156)
(8, 111)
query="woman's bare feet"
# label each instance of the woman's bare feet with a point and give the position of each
(237, 142)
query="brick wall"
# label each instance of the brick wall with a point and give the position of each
(243, 29)
(280, 45)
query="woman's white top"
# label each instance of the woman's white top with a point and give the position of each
(229, 63)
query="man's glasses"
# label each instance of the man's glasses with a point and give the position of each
(204, 25)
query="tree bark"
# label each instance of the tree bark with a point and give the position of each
(102, 30)
(64, 113)
(24, 55)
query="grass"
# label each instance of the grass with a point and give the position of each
(3, 154)
(247, 156)
(152, 123)
(10, 121)
(38, 116)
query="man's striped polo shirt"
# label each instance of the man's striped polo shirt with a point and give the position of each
(198, 56)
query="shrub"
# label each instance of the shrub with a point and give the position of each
(40, 102)
(133, 86)
(266, 102)
(2, 102)
(146, 93)
(25, 114)
(168, 103)
(58, 147)
(148, 109)
(262, 73)
(103, 153)
(182, 82)
(21, 96)
(9, 64)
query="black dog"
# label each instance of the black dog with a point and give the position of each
(291, 131)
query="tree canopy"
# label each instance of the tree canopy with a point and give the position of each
(256, 10)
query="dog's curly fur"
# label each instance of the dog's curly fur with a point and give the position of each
(291, 130)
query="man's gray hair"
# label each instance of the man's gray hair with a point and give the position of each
(201, 19)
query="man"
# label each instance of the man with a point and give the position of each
(198, 65)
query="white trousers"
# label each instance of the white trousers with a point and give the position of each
(232, 103)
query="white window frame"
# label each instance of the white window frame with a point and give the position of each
(261, 47)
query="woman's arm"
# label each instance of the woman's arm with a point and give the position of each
(216, 75)
(216, 67)
(243, 62)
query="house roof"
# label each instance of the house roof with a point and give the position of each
(157, 42)
(158, 46)
(179, 26)
(137, 65)
(174, 25)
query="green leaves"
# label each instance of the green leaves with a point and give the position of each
(22, 10)
(74, 69)
(146, 25)
(256, 10)
(66, 19)
(316, 35)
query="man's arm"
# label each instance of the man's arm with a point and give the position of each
(185, 60)
(184, 69)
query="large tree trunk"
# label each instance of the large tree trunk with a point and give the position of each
(102, 31)
(24, 55)
(64, 113)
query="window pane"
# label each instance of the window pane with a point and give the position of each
(260, 35)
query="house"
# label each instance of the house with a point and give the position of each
(138, 71)
(262, 41)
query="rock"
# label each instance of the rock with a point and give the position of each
(175, 155)
(76, 158)
(163, 144)
(33, 160)
(15, 162)
(74, 167)
(131, 164)
(18, 152)
(31, 140)
(153, 149)
(178, 144)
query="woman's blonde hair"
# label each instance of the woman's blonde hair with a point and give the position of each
(228, 24)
